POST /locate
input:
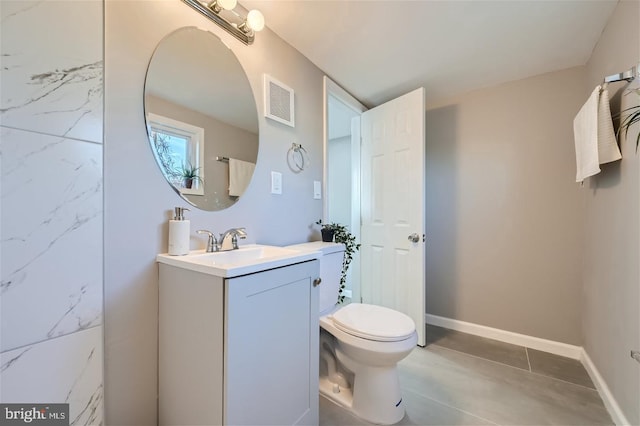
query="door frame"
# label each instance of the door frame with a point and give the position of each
(331, 88)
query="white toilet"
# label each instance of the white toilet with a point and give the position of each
(360, 346)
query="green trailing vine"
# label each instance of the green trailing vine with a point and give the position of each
(342, 235)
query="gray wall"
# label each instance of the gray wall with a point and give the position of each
(611, 313)
(51, 205)
(138, 200)
(504, 214)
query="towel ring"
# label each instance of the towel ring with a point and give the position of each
(297, 157)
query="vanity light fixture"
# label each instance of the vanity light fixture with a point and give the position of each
(243, 29)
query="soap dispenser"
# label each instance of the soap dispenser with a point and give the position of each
(179, 230)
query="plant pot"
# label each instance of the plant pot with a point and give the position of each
(327, 235)
(188, 183)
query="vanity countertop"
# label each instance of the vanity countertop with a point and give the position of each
(247, 259)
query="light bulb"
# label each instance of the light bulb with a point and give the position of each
(255, 20)
(227, 4)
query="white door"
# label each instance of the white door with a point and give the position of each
(393, 207)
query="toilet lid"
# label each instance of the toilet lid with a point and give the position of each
(373, 322)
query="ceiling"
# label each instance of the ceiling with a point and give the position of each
(378, 50)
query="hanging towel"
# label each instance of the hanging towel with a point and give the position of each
(595, 139)
(240, 173)
(585, 132)
(608, 150)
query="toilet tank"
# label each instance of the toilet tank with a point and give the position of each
(330, 271)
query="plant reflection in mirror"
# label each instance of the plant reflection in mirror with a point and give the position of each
(188, 174)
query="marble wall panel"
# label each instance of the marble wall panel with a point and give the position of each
(63, 370)
(52, 67)
(50, 236)
(51, 205)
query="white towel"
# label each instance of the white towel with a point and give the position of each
(585, 132)
(595, 140)
(608, 150)
(240, 173)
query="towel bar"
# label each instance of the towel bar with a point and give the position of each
(628, 75)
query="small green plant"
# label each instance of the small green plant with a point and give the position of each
(342, 235)
(189, 173)
(629, 117)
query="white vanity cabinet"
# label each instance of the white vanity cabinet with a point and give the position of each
(239, 350)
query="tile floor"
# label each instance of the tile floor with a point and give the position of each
(461, 379)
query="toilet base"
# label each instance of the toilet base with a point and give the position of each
(375, 396)
(341, 396)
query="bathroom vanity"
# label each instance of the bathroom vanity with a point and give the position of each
(238, 337)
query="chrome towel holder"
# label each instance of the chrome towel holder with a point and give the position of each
(297, 157)
(627, 76)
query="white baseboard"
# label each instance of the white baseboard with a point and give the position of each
(558, 348)
(610, 402)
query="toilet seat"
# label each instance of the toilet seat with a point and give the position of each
(373, 322)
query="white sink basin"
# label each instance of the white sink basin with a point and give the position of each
(245, 260)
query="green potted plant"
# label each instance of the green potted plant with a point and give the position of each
(327, 230)
(629, 117)
(189, 174)
(340, 234)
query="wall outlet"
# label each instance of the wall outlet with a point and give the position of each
(276, 183)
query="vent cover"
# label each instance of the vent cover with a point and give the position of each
(278, 101)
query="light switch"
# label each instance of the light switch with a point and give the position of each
(317, 190)
(276, 183)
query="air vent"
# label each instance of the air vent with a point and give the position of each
(278, 101)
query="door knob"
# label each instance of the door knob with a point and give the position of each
(317, 282)
(414, 238)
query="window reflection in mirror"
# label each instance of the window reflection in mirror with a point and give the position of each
(178, 148)
(199, 106)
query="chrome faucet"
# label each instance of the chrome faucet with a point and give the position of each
(234, 233)
(212, 242)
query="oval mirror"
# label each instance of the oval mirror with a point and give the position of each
(201, 118)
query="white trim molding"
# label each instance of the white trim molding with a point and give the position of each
(550, 346)
(610, 402)
(557, 348)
